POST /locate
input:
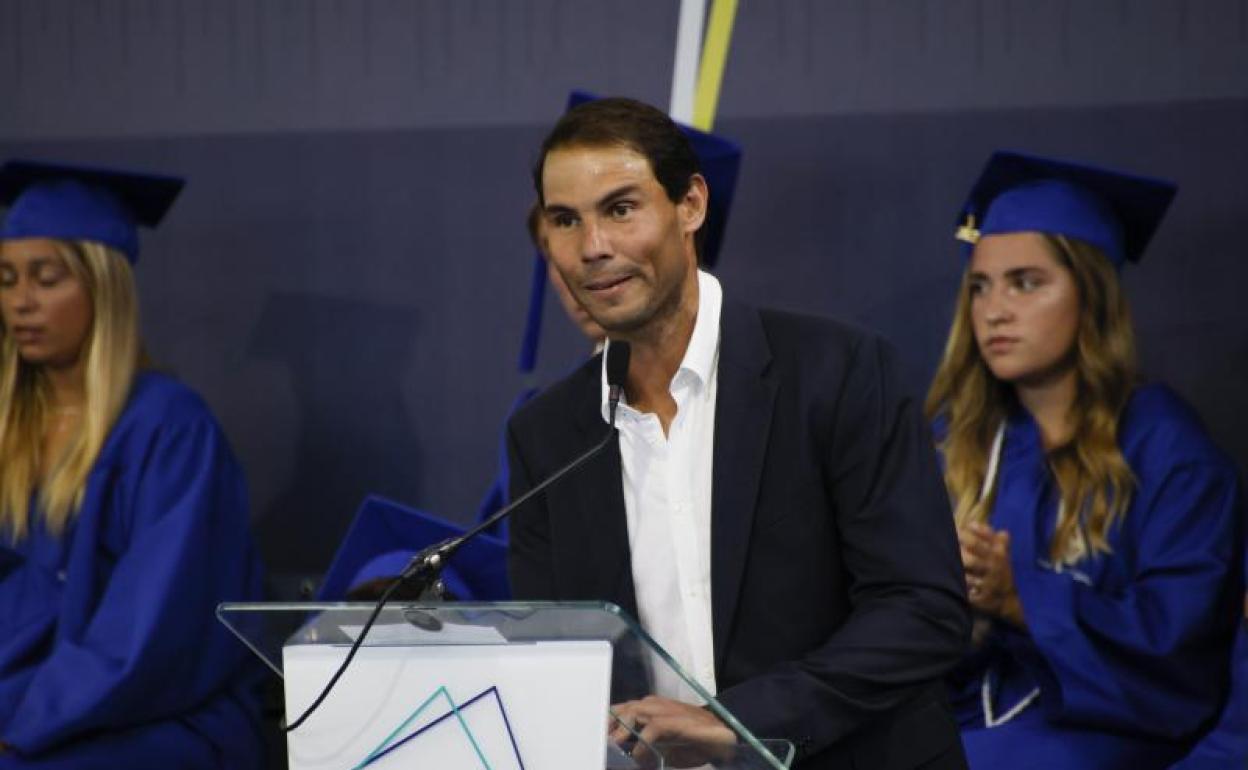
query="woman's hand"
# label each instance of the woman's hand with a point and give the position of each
(989, 577)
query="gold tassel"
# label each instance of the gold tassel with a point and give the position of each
(967, 232)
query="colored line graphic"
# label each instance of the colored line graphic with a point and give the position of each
(714, 59)
(386, 747)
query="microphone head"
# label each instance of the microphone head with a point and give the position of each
(617, 364)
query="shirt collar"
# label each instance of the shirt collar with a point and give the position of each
(701, 356)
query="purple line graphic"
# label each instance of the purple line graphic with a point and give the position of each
(502, 709)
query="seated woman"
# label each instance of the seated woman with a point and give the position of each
(123, 513)
(1100, 526)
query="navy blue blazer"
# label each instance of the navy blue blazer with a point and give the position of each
(836, 585)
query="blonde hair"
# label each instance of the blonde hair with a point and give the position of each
(112, 353)
(1093, 479)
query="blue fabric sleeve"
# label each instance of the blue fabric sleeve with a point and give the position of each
(152, 647)
(1139, 658)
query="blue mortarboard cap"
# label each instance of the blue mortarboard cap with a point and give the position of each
(385, 536)
(1115, 212)
(49, 200)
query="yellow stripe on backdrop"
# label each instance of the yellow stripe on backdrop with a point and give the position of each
(714, 59)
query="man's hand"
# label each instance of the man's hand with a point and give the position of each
(989, 577)
(686, 735)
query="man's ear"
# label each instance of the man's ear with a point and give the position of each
(692, 207)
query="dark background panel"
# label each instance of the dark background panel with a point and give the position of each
(346, 276)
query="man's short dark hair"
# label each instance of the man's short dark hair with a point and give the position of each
(620, 122)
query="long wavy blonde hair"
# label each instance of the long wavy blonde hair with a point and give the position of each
(112, 353)
(1093, 479)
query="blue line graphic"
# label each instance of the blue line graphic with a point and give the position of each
(385, 747)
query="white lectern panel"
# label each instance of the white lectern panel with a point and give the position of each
(539, 706)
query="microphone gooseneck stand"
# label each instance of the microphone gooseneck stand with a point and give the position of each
(424, 570)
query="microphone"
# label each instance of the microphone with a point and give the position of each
(426, 566)
(618, 354)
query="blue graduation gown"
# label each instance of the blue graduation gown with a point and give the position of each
(1129, 650)
(110, 651)
(1226, 745)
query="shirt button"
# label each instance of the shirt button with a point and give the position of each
(61, 576)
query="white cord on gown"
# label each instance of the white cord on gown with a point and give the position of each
(985, 689)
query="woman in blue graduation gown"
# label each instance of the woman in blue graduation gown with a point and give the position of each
(123, 513)
(1100, 526)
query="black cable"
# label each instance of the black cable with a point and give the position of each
(423, 565)
(429, 562)
(355, 647)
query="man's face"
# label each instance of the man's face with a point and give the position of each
(623, 248)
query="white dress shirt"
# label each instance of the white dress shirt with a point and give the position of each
(667, 501)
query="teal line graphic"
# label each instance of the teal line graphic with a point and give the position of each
(388, 745)
(502, 711)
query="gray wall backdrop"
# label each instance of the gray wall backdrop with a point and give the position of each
(345, 278)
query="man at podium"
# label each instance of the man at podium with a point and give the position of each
(771, 509)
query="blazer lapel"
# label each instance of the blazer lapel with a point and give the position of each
(600, 493)
(744, 402)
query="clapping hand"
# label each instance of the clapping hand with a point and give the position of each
(989, 576)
